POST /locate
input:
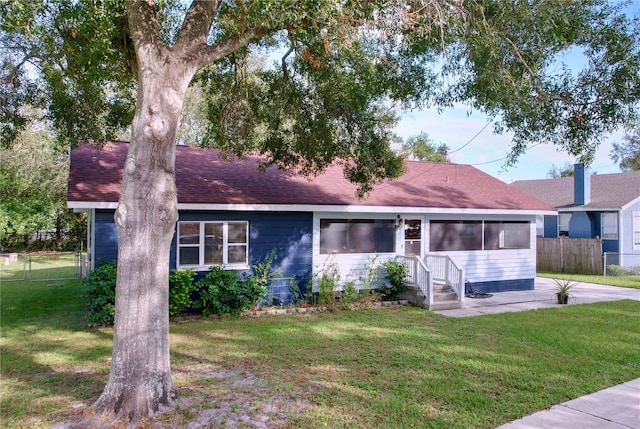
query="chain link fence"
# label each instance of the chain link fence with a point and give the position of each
(33, 267)
(621, 264)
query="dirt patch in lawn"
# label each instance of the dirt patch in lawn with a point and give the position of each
(220, 399)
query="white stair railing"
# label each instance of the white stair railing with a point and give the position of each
(444, 270)
(418, 274)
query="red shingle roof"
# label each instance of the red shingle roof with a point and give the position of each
(204, 177)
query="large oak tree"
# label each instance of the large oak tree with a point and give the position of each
(332, 78)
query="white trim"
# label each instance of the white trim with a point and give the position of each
(91, 205)
(91, 238)
(634, 214)
(324, 208)
(201, 266)
(630, 203)
(588, 209)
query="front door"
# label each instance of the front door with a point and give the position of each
(413, 237)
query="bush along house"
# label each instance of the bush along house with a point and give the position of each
(447, 223)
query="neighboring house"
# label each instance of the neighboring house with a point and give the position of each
(232, 214)
(600, 205)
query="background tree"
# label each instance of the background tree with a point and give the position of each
(33, 184)
(422, 148)
(564, 171)
(627, 155)
(344, 70)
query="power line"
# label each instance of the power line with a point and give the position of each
(472, 138)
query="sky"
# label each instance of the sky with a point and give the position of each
(471, 140)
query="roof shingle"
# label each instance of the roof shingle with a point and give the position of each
(203, 176)
(608, 191)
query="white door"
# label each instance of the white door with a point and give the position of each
(413, 237)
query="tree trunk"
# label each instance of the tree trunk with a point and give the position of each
(140, 384)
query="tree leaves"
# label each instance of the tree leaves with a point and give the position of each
(328, 79)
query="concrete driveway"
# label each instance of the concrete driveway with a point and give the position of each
(543, 296)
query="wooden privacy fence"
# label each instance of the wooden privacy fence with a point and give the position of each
(570, 255)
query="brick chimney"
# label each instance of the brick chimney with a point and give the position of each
(581, 185)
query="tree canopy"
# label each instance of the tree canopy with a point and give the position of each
(33, 183)
(336, 74)
(420, 147)
(627, 155)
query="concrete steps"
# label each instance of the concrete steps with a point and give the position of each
(443, 298)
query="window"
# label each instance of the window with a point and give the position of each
(609, 226)
(478, 235)
(539, 226)
(357, 236)
(506, 235)
(563, 224)
(636, 231)
(455, 235)
(202, 244)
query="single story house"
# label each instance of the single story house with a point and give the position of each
(589, 206)
(232, 214)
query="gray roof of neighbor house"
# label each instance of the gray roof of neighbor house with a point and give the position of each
(204, 178)
(608, 191)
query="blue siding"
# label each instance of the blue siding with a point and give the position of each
(580, 225)
(289, 233)
(550, 226)
(106, 236)
(611, 246)
(502, 286)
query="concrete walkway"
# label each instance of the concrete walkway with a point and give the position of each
(617, 407)
(543, 296)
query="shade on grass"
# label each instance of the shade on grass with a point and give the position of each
(393, 367)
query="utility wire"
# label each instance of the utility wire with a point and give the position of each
(472, 138)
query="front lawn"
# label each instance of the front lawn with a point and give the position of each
(383, 368)
(631, 281)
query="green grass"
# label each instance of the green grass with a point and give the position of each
(630, 281)
(385, 368)
(39, 267)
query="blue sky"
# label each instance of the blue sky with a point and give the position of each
(487, 150)
(472, 139)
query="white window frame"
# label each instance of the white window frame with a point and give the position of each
(201, 266)
(635, 231)
(563, 226)
(609, 226)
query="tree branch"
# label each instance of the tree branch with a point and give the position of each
(197, 23)
(204, 54)
(143, 26)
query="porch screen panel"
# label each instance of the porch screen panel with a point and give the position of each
(447, 235)
(506, 235)
(357, 236)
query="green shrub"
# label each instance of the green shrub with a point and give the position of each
(221, 292)
(180, 288)
(300, 296)
(349, 295)
(395, 273)
(100, 294)
(327, 281)
(619, 270)
(256, 284)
